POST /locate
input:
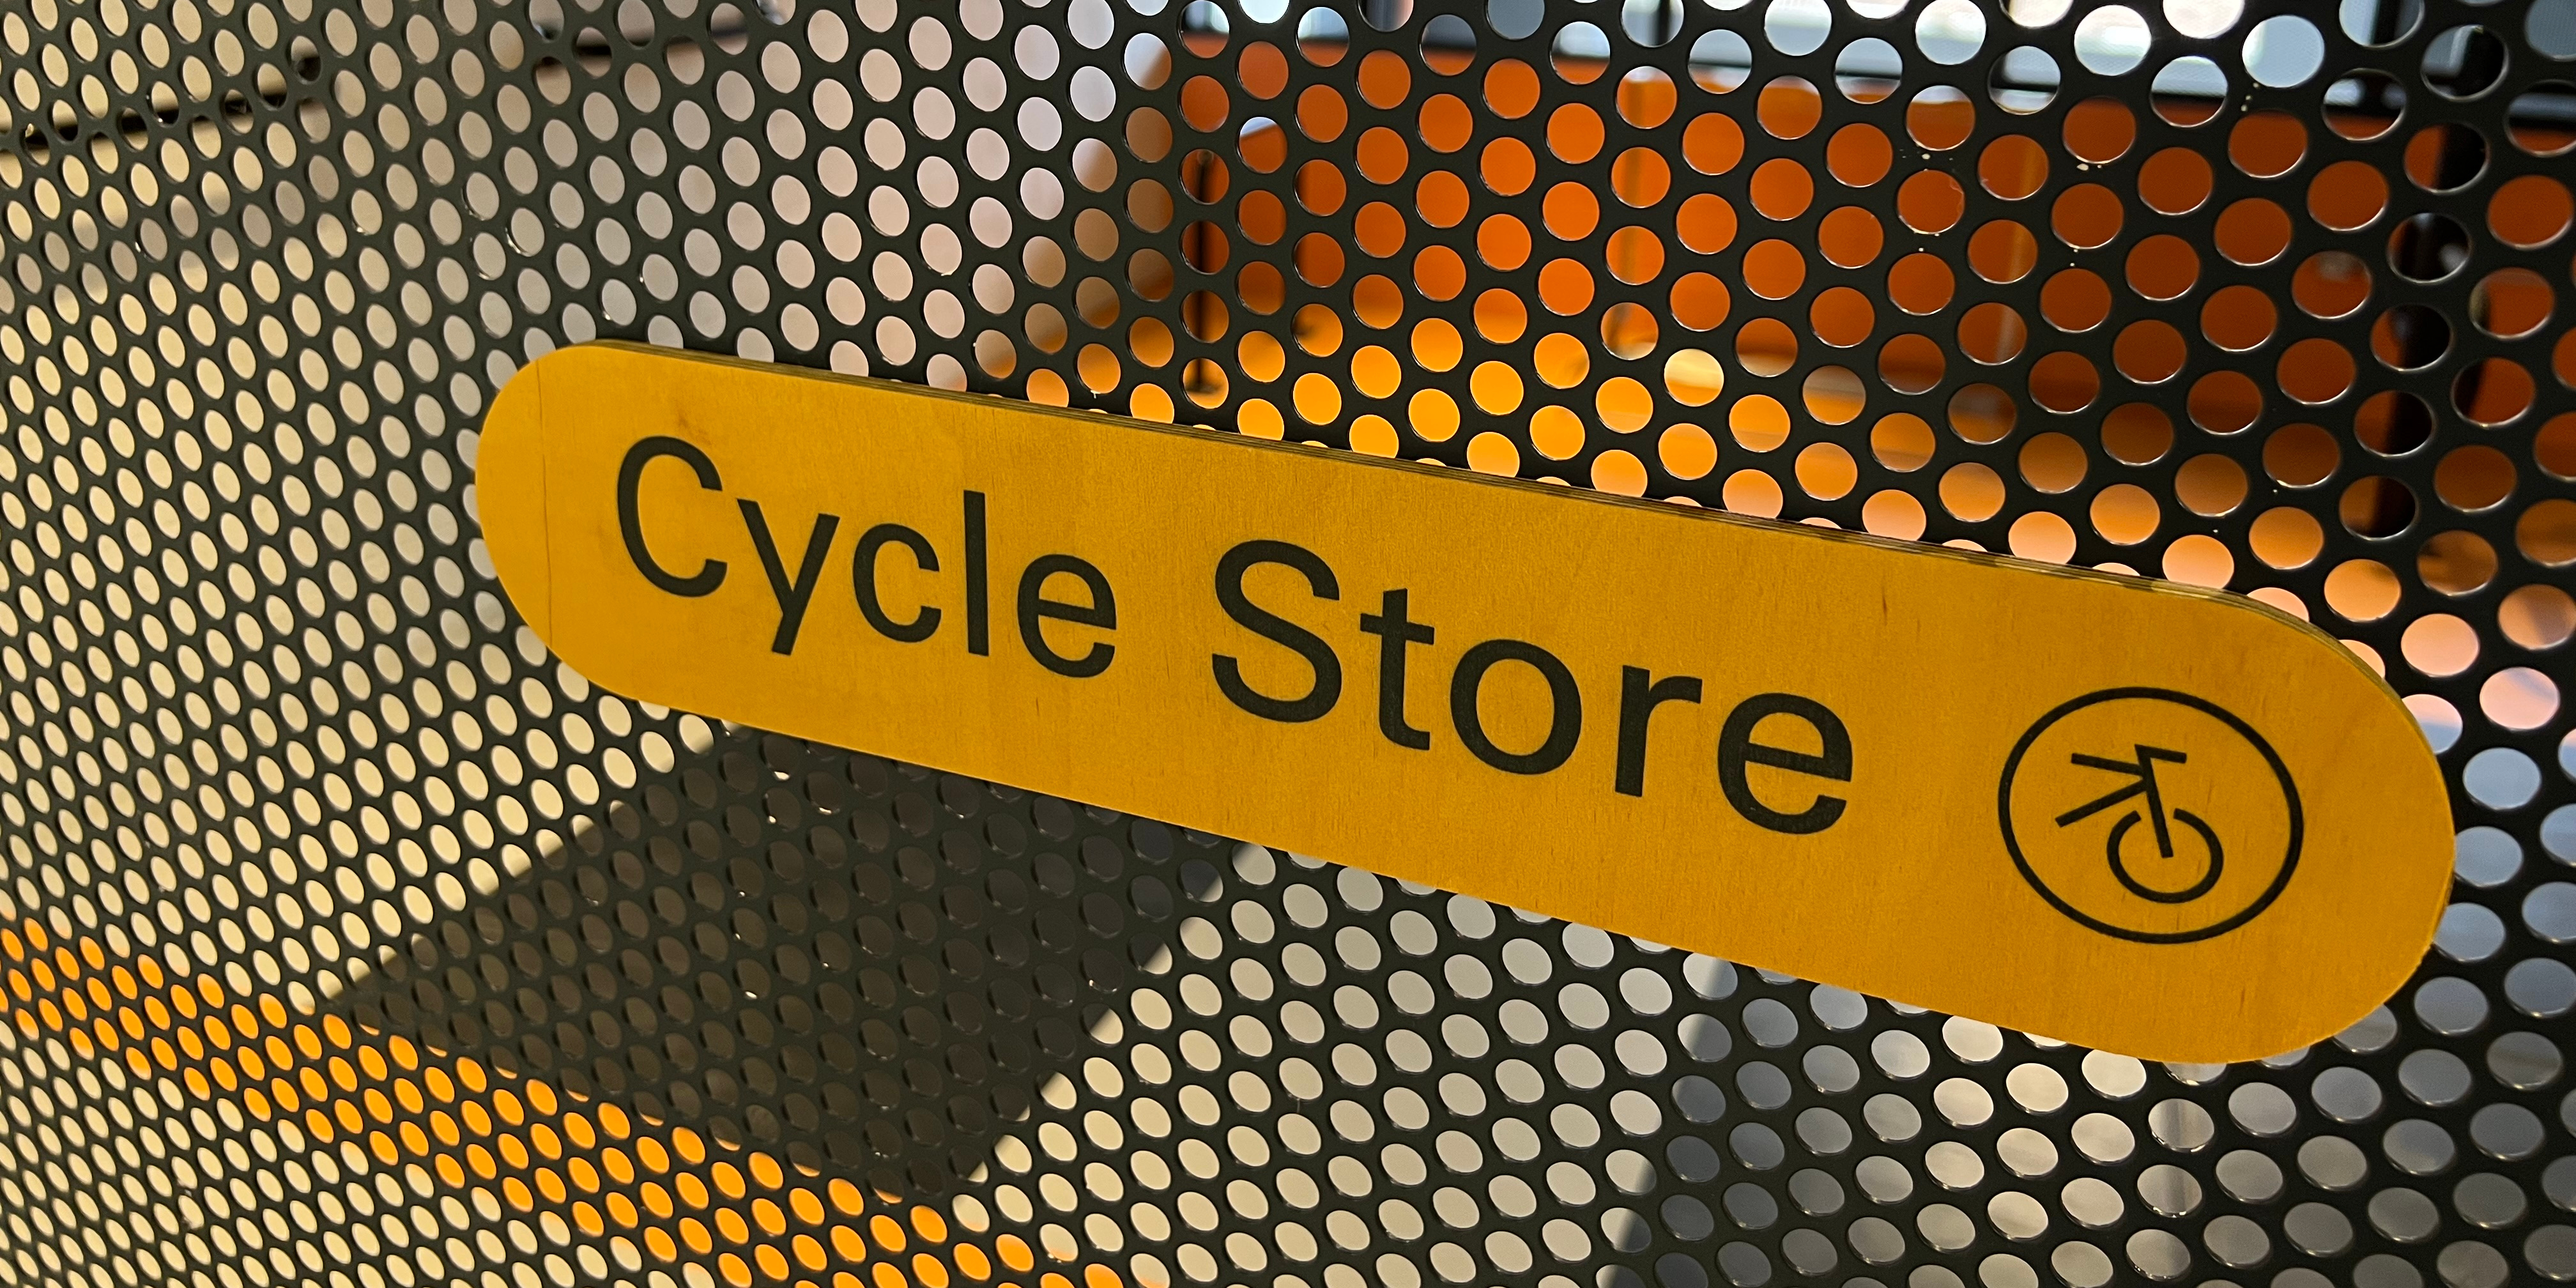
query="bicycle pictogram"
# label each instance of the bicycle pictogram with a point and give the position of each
(2142, 772)
(2189, 834)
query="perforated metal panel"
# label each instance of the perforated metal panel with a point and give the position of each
(354, 941)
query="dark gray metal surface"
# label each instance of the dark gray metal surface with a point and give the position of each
(265, 709)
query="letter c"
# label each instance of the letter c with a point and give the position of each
(630, 523)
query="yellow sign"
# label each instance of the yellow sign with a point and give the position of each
(2132, 815)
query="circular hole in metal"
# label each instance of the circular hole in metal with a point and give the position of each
(1868, 70)
(2331, 284)
(2542, 120)
(1720, 61)
(2428, 247)
(2380, 23)
(1651, 23)
(2112, 40)
(2283, 51)
(2188, 91)
(2376, 508)
(2364, 105)
(1323, 38)
(2445, 157)
(2511, 303)
(2393, 422)
(1797, 27)
(2023, 81)
(1203, 28)
(2465, 61)
(1580, 54)
(1448, 44)
(1386, 15)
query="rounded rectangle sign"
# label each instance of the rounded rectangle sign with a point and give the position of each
(2138, 816)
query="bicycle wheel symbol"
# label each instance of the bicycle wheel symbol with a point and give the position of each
(2143, 771)
(2211, 866)
(2190, 832)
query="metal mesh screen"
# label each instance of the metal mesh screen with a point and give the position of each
(352, 941)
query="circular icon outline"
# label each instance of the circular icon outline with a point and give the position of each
(2281, 772)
